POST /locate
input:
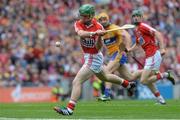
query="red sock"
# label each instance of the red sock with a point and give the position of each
(157, 94)
(125, 83)
(71, 105)
(159, 76)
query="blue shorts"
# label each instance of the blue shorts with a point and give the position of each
(119, 57)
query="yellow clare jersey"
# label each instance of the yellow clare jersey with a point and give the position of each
(113, 39)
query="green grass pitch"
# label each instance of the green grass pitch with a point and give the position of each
(121, 109)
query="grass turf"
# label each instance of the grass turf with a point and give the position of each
(121, 109)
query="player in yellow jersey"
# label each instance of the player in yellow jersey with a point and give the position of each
(115, 49)
(116, 43)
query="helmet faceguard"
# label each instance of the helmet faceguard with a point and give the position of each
(103, 18)
(135, 14)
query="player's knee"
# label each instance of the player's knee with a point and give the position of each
(76, 83)
(130, 78)
(107, 77)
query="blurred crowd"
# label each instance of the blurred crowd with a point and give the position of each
(30, 28)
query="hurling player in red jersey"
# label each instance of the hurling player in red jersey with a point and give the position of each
(146, 38)
(90, 32)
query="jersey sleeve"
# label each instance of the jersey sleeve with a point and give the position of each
(146, 29)
(77, 26)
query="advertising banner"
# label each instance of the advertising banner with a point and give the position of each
(25, 94)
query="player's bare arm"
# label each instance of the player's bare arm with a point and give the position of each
(83, 33)
(126, 39)
(159, 37)
(132, 48)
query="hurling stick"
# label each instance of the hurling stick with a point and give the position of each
(137, 61)
(126, 26)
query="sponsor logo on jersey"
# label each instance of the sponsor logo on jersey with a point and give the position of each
(110, 41)
(88, 42)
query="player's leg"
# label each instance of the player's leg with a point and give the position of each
(154, 63)
(131, 76)
(125, 73)
(151, 86)
(135, 75)
(110, 68)
(114, 79)
(160, 76)
(84, 74)
(156, 93)
(144, 76)
(151, 63)
(116, 60)
(156, 75)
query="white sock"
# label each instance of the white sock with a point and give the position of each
(165, 75)
(71, 111)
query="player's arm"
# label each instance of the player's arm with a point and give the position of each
(131, 48)
(83, 33)
(159, 37)
(153, 32)
(126, 39)
(128, 42)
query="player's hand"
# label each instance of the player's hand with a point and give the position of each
(100, 32)
(92, 33)
(162, 51)
(126, 50)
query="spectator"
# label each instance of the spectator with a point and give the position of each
(29, 29)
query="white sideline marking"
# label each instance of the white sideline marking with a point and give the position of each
(4, 118)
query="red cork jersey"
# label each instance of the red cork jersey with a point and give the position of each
(89, 44)
(145, 36)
